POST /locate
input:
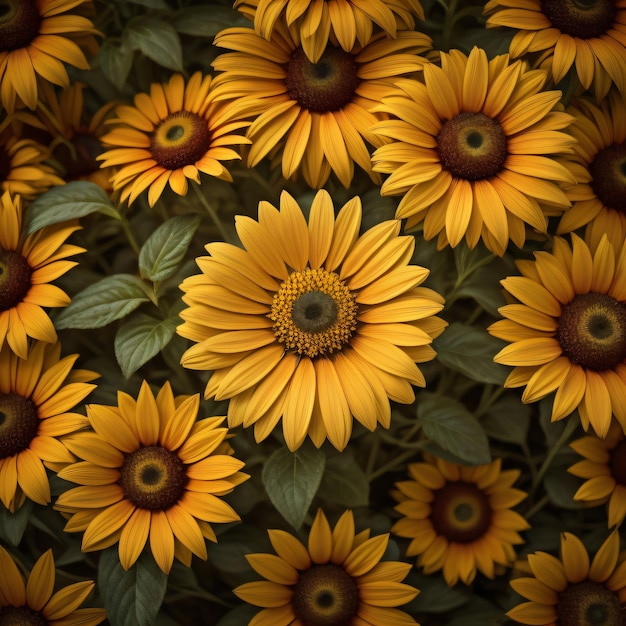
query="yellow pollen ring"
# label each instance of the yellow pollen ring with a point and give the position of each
(174, 132)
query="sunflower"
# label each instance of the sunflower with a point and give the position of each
(570, 590)
(150, 470)
(28, 264)
(171, 135)
(471, 151)
(337, 579)
(604, 471)
(37, 395)
(310, 322)
(313, 117)
(32, 601)
(567, 333)
(459, 517)
(36, 38)
(344, 22)
(591, 36)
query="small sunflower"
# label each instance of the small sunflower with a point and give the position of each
(338, 578)
(459, 517)
(310, 322)
(472, 150)
(37, 396)
(604, 471)
(313, 117)
(587, 35)
(171, 135)
(567, 333)
(570, 590)
(151, 472)
(36, 38)
(28, 264)
(32, 601)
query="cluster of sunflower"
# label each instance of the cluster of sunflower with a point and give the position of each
(336, 285)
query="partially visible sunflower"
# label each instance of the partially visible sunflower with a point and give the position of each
(310, 322)
(171, 135)
(28, 265)
(36, 38)
(338, 578)
(570, 589)
(567, 333)
(604, 471)
(459, 517)
(31, 601)
(589, 36)
(37, 396)
(313, 117)
(151, 472)
(472, 150)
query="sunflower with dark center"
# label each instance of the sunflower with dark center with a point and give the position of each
(571, 591)
(567, 333)
(171, 136)
(150, 472)
(459, 518)
(310, 322)
(587, 35)
(32, 602)
(313, 118)
(338, 579)
(471, 147)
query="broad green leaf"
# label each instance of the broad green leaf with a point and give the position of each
(206, 21)
(560, 485)
(241, 614)
(158, 40)
(159, 5)
(435, 595)
(507, 419)
(344, 482)
(13, 525)
(115, 62)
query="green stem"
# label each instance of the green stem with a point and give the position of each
(448, 25)
(129, 233)
(212, 212)
(397, 460)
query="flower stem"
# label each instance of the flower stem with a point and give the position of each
(212, 212)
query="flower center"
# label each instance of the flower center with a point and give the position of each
(180, 139)
(83, 160)
(589, 604)
(313, 312)
(580, 18)
(19, 424)
(609, 176)
(19, 24)
(153, 478)
(5, 164)
(20, 616)
(325, 595)
(460, 512)
(592, 331)
(327, 85)
(618, 462)
(14, 278)
(472, 146)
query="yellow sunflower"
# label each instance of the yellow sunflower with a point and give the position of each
(338, 578)
(589, 36)
(313, 117)
(151, 471)
(459, 517)
(472, 150)
(567, 333)
(571, 590)
(37, 396)
(32, 601)
(171, 135)
(604, 471)
(36, 38)
(310, 322)
(28, 265)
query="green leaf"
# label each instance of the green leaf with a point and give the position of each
(13, 525)
(560, 485)
(435, 595)
(66, 202)
(133, 597)
(159, 5)
(115, 62)
(164, 249)
(206, 21)
(291, 480)
(447, 422)
(507, 419)
(97, 305)
(158, 40)
(344, 482)
(241, 614)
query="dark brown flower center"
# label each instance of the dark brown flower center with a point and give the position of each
(19, 24)
(80, 159)
(592, 331)
(472, 146)
(181, 139)
(19, 424)
(618, 462)
(580, 18)
(327, 85)
(5, 164)
(325, 595)
(589, 604)
(153, 478)
(609, 176)
(20, 616)
(14, 278)
(460, 512)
